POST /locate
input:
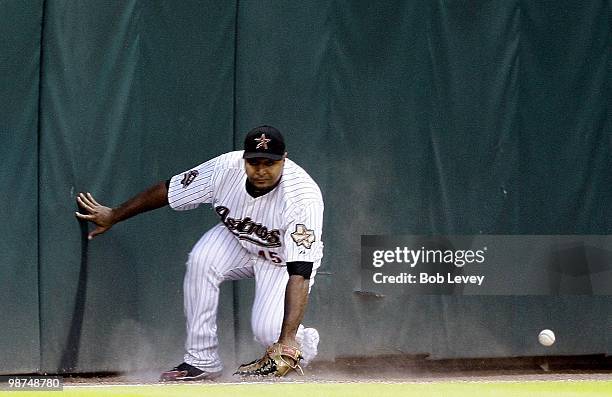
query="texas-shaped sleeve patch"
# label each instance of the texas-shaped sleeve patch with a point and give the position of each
(303, 236)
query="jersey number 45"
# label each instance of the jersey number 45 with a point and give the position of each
(270, 256)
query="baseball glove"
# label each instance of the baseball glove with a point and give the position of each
(278, 360)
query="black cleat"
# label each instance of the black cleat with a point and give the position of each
(186, 372)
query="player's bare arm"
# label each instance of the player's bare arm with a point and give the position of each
(286, 354)
(296, 298)
(105, 217)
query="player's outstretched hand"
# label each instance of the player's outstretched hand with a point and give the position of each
(100, 215)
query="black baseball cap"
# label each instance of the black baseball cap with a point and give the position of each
(264, 141)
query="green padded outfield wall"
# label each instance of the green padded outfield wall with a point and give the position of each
(440, 117)
(133, 92)
(415, 117)
(19, 88)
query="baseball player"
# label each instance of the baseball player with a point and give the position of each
(270, 220)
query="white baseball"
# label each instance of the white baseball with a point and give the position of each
(546, 337)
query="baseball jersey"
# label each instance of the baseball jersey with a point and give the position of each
(283, 225)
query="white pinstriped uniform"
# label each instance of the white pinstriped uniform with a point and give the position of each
(255, 238)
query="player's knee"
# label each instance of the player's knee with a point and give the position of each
(200, 268)
(199, 259)
(264, 335)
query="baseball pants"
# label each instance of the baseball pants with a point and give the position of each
(218, 256)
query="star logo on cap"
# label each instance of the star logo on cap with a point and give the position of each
(262, 142)
(303, 236)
